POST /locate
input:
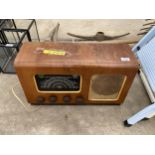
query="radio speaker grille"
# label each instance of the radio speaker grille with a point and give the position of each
(104, 87)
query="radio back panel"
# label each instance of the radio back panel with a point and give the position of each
(75, 73)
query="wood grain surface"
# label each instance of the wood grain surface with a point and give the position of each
(85, 60)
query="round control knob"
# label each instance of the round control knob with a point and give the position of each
(67, 99)
(53, 98)
(79, 99)
(40, 99)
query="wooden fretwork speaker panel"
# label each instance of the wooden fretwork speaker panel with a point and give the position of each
(75, 73)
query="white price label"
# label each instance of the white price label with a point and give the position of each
(125, 59)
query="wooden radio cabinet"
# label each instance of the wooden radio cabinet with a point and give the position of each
(75, 73)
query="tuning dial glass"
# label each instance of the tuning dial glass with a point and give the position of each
(58, 82)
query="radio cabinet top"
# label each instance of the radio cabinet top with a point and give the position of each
(50, 54)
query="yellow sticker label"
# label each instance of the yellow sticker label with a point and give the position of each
(54, 52)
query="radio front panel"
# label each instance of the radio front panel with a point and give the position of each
(87, 78)
(77, 86)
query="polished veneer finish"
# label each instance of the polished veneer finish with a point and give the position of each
(75, 73)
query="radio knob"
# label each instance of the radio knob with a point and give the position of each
(53, 98)
(67, 99)
(79, 99)
(40, 99)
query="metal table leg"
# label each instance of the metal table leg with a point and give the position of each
(147, 112)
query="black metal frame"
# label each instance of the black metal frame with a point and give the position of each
(23, 30)
(11, 50)
(9, 46)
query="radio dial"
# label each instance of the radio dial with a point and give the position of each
(58, 82)
(67, 99)
(79, 99)
(40, 99)
(53, 98)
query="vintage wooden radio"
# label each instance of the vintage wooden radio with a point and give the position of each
(75, 73)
